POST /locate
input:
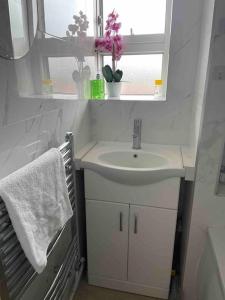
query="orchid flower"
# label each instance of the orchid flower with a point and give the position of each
(111, 41)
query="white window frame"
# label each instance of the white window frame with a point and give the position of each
(143, 44)
(135, 44)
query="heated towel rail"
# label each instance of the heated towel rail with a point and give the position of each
(16, 273)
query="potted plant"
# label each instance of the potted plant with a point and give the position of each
(111, 42)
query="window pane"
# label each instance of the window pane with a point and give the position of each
(61, 70)
(59, 14)
(142, 16)
(139, 73)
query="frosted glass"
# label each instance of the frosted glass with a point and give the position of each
(140, 72)
(143, 16)
(59, 14)
(61, 69)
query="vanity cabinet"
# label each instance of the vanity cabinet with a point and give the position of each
(130, 244)
(151, 240)
(107, 230)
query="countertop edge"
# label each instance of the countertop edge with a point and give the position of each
(82, 152)
(189, 160)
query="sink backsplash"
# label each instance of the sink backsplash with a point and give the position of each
(161, 123)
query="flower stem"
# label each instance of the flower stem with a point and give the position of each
(113, 59)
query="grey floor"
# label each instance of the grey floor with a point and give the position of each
(88, 292)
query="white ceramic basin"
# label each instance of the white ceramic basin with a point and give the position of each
(133, 159)
(120, 163)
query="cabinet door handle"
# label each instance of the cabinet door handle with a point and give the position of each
(135, 224)
(121, 221)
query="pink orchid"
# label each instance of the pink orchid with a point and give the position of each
(113, 15)
(108, 33)
(116, 26)
(112, 41)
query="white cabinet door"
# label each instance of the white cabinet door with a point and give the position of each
(107, 239)
(151, 241)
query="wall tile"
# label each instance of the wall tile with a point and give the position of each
(166, 122)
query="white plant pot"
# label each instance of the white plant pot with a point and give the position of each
(114, 89)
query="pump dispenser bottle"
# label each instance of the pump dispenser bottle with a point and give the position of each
(97, 88)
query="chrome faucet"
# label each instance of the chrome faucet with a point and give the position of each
(137, 134)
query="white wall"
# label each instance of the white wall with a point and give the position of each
(197, 115)
(208, 208)
(163, 122)
(201, 79)
(31, 125)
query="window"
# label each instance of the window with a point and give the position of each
(58, 14)
(140, 71)
(61, 70)
(146, 30)
(60, 55)
(147, 18)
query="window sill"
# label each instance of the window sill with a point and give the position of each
(75, 97)
(133, 98)
(50, 96)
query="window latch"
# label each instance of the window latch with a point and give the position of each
(99, 20)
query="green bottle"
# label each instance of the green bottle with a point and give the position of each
(98, 88)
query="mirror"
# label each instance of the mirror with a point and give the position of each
(18, 26)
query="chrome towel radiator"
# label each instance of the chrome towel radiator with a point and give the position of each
(17, 274)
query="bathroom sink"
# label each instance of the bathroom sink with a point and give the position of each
(120, 163)
(133, 159)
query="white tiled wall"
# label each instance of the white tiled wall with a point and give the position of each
(208, 208)
(167, 122)
(201, 79)
(29, 126)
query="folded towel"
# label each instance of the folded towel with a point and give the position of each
(37, 201)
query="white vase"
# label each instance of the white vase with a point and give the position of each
(114, 89)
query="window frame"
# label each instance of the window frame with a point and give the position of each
(142, 43)
(135, 44)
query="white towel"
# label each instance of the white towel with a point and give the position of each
(37, 201)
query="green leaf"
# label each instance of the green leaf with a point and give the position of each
(118, 75)
(107, 73)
